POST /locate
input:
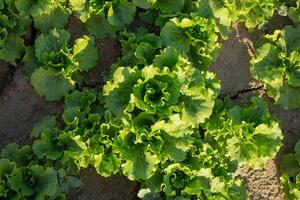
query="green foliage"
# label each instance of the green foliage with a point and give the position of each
(156, 107)
(162, 92)
(278, 65)
(85, 118)
(166, 8)
(139, 49)
(249, 134)
(158, 119)
(121, 13)
(56, 146)
(252, 13)
(195, 36)
(46, 14)
(85, 141)
(49, 14)
(290, 174)
(169, 157)
(213, 9)
(205, 173)
(49, 84)
(294, 12)
(22, 176)
(104, 18)
(14, 24)
(192, 37)
(54, 65)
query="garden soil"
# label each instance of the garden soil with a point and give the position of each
(21, 108)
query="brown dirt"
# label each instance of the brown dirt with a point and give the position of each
(232, 65)
(76, 28)
(262, 184)
(109, 51)
(100, 188)
(21, 109)
(277, 22)
(4, 75)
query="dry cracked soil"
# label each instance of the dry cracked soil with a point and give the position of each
(21, 108)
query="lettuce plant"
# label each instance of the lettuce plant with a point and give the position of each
(157, 120)
(85, 141)
(277, 64)
(139, 49)
(195, 36)
(290, 173)
(158, 12)
(252, 13)
(85, 118)
(249, 135)
(166, 8)
(58, 147)
(22, 176)
(294, 12)
(216, 10)
(49, 14)
(103, 18)
(54, 66)
(162, 92)
(14, 24)
(156, 108)
(205, 173)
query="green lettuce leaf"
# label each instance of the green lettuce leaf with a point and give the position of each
(22, 156)
(84, 117)
(249, 134)
(54, 66)
(195, 36)
(49, 14)
(290, 173)
(252, 13)
(169, 7)
(54, 41)
(139, 164)
(99, 26)
(294, 13)
(120, 13)
(278, 66)
(86, 53)
(159, 91)
(216, 10)
(50, 85)
(48, 122)
(14, 25)
(197, 176)
(138, 49)
(146, 4)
